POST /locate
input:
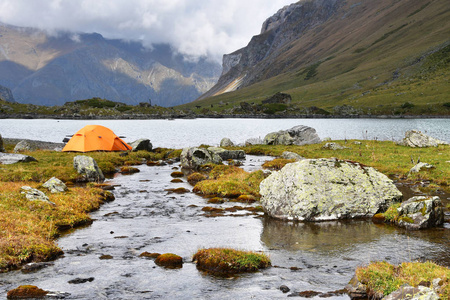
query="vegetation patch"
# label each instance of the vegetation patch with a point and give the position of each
(226, 261)
(383, 278)
(195, 178)
(169, 260)
(277, 163)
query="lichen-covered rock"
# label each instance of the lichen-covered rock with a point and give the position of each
(54, 185)
(421, 212)
(88, 168)
(226, 142)
(407, 292)
(227, 154)
(415, 138)
(24, 146)
(326, 189)
(298, 135)
(12, 158)
(291, 155)
(35, 195)
(193, 158)
(141, 144)
(333, 146)
(420, 166)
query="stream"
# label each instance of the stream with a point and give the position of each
(145, 216)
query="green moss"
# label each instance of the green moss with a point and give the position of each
(406, 219)
(391, 213)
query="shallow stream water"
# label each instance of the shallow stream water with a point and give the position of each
(145, 216)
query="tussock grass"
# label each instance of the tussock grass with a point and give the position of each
(384, 278)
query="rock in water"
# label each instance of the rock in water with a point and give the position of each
(227, 154)
(421, 212)
(11, 158)
(2, 149)
(141, 144)
(54, 185)
(88, 168)
(193, 158)
(326, 189)
(298, 135)
(415, 138)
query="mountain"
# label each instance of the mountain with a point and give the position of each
(51, 70)
(371, 55)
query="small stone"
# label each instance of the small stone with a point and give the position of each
(81, 280)
(284, 289)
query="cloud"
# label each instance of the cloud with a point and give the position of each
(193, 27)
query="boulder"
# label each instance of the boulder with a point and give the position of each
(24, 145)
(420, 212)
(54, 185)
(333, 146)
(88, 168)
(415, 138)
(2, 149)
(11, 158)
(420, 166)
(291, 155)
(407, 292)
(193, 158)
(326, 189)
(34, 194)
(254, 141)
(227, 154)
(226, 142)
(298, 135)
(141, 144)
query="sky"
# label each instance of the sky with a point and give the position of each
(193, 27)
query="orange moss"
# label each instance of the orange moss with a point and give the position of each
(169, 260)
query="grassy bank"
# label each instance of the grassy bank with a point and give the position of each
(28, 228)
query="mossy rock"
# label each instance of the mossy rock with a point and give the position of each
(226, 261)
(246, 198)
(26, 292)
(180, 190)
(152, 163)
(105, 257)
(176, 180)
(177, 174)
(128, 170)
(216, 200)
(107, 196)
(169, 260)
(196, 177)
(149, 255)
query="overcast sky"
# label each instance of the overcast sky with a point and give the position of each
(194, 27)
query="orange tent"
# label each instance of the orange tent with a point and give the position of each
(95, 138)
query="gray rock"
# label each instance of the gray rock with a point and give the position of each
(333, 146)
(415, 138)
(88, 168)
(54, 185)
(326, 189)
(12, 158)
(141, 144)
(24, 146)
(254, 141)
(34, 267)
(2, 149)
(298, 135)
(421, 212)
(420, 166)
(291, 155)
(193, 158)
(407, 292)
(35, 194)
(227, 154)
(226, 142)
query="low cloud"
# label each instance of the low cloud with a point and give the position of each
(193, 27)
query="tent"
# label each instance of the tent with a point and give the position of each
(95, 138)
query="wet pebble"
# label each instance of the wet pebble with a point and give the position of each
(284, 289)
(81, 280)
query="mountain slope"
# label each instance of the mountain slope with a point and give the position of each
(46, 70)
(334, 52)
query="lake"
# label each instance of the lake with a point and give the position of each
(182, 133)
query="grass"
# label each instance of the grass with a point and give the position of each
(226, 261)
(384, 278)
(28, 229)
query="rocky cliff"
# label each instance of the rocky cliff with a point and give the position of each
(51, 70)
(6, 94)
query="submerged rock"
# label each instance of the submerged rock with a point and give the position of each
(11, 158)
(193, 158)
(415, 138)
(326, 189)
(54, 185)
(88, 168)
(298, 135)
(421, 212)
(141, 144)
